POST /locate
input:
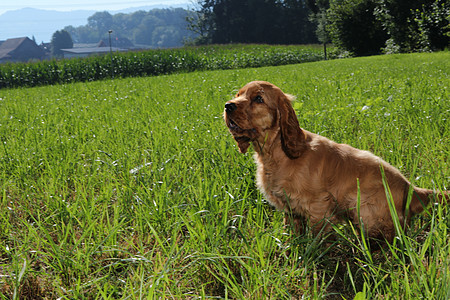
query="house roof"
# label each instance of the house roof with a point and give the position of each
(10, 45)
(92, 50)
(20, 49)
(101, 44)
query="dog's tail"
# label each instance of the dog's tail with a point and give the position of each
(421, 198)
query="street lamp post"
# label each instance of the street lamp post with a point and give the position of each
(110, 51)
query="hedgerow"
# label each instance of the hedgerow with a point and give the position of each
(153, 63)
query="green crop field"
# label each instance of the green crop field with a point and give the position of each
(134, 189)
(156, 62)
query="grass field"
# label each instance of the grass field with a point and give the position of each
(133, 188)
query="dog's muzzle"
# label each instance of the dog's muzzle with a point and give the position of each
(230, 107)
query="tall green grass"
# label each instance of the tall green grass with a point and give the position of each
(154, 63)
(133, 188)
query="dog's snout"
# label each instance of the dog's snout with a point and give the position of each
(230, 107)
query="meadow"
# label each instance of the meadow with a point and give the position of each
(134, 189)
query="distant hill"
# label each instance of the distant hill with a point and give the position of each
(42, 24)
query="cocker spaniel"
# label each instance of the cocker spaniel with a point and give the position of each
(309, 176)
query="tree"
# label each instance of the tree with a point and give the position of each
(319, 17)
(433, 23)
(61, 39)
(366, 27)
(254, 21)
(101, 21)
(139, 27)
(144, 32)
(416, 24)
(298, 26)
(353, 26)
(165, 36)
(202, 23)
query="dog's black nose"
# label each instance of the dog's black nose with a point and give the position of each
(230, 107)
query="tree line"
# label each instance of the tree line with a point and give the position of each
(159, 28)
(362, 27)
(253, 21)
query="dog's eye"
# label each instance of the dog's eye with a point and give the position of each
(258, 99)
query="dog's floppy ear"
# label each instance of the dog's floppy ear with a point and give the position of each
(292, 137)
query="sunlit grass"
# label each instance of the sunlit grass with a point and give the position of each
(133, 188)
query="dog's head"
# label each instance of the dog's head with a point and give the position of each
(259, 107)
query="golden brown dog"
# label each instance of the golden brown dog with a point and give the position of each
(307, 175)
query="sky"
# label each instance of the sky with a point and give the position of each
(63, 5)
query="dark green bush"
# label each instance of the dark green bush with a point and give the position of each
(354, 27)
